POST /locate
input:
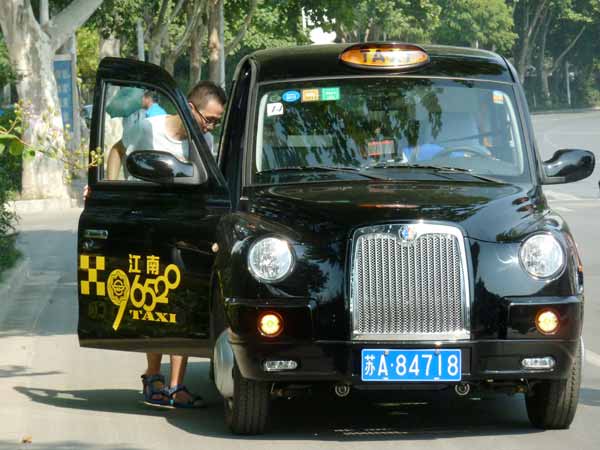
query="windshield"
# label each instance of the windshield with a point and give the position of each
(388, 128)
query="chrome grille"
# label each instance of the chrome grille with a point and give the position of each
(409, 282)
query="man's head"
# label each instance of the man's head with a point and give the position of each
(148, 99)
(207, 101)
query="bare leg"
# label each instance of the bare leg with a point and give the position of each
(178, 367)
(154, 360)
(153, 368)
(115, 161)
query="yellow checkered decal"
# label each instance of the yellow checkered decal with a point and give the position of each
(91, 265)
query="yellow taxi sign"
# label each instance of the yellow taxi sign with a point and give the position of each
(385, 56)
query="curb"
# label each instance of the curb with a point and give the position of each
(12, 279)
(20, 207)
(565, 111)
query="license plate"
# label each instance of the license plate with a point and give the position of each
(411, 365)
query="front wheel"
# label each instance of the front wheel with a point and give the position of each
(248, 411)
(552, 404)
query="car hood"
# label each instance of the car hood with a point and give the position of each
(485, 211)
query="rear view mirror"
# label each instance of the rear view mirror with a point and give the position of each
(161, 167)
(567, 166)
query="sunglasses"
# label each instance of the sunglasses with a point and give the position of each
(207, 120)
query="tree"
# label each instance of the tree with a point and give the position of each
(217, 47)
(31, 49)
(476, 23)
(373, 20)
(528, 18)
(563, 25)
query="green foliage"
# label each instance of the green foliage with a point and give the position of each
(50, 141)
(6, 73)
(88, 58)
(10, 181)
(373, 20)
(484, 23)
(10, 158)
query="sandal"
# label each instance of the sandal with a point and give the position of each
(155, 393)
(195, 400)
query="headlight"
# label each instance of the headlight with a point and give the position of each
(270, 259)
(542, 256)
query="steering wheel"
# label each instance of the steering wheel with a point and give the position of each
(475, 151)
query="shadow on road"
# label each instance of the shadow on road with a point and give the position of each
(589, 396)
(22, 371)
(321, 417)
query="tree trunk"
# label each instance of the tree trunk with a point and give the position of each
(527, 35)
(31, 51)
(196, 48)
(111, 46)
(543, 73)
(169, 64)
(36, 86)
(155, 51)
(214, 41)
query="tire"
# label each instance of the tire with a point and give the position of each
(248, 411)
(552, 404)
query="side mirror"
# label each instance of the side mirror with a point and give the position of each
(161, 167)
(567, 166)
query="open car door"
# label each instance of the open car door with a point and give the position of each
(152, 208)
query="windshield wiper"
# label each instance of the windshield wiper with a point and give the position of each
(436, 169)
(352, 170)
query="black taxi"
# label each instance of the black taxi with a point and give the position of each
(374, 220)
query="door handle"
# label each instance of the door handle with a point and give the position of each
(95, 234)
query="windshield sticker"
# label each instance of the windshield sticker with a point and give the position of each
(498, 97)
(330, 94)
(380, 148)
(274, 109)
(290, 96)
(310, 95)
(130, 289)
(274, 98)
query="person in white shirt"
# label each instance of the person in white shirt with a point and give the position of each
(167, 133)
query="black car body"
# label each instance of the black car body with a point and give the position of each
(388, 254)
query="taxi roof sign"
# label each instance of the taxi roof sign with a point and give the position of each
(384, 56)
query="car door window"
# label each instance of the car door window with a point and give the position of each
(136, 118)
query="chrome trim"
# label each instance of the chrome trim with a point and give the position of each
(390, 231)
(223, 361)
(95, 234)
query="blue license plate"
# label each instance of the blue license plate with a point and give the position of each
(410, 365)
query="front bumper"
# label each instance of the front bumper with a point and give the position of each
(340, 361)
(483, 358)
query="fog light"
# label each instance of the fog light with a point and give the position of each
(277, 366)
(270, 324)
(547, 362)
(547, 321)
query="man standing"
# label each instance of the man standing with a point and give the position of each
(167, 132)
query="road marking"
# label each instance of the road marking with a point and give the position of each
(592, 357)
(563, 209)
(554, 195)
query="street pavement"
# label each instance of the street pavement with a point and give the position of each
(56, 395)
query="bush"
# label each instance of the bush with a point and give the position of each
(11, 165)
(8, 252)
(10, 182)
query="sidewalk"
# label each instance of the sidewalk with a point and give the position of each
(565, 111)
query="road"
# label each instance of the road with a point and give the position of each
(60, 396)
